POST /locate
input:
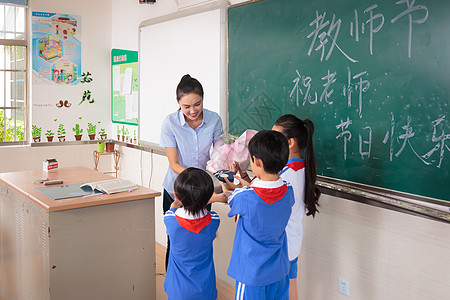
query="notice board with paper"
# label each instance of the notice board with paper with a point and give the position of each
(124, 86)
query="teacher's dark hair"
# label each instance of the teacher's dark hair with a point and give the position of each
(302, 131)
(194, 187)
(189, 85)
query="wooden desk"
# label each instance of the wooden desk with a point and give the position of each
(98, 247)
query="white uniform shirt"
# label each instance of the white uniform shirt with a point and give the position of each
(294, 173)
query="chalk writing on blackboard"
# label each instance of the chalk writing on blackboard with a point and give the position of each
(328, 91)
(404, 138)
(306, 82)
(324, 38)
(365, 151)
(410, 9)
(441, 141)
(345, 134)
(370, 21)
(332, 33)
(370, 74)
(390, 136)
(329, 79)
(362, 86)
(409, 134)
(375, 22)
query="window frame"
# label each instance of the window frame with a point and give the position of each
(26, 43)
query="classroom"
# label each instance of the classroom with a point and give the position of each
(381, 231)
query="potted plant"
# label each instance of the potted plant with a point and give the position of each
(78, 132)
(102, 133)
(50, 134)
(36, 133)
(118, 133)
(100, 145)
(61, 133)
(110, 146)
(134, 138)
(124, 133)
(91, 131)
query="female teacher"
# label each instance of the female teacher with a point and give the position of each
(187, 136)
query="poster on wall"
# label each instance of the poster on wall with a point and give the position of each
(124, 86)
(56, 48)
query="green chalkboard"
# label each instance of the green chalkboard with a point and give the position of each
(374, 77)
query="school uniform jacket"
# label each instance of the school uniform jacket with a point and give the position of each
(190, 272)
(294, 173)
(259, 255)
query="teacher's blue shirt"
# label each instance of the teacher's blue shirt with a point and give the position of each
(193, 146)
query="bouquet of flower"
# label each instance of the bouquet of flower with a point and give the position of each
(229, 148)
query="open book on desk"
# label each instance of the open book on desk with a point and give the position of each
(111, 186)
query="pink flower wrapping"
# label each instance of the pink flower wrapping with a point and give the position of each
(224, 154)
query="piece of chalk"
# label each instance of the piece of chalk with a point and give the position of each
(52, 182)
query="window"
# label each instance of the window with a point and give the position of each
(13, 73)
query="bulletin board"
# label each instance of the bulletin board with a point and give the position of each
(124, 86)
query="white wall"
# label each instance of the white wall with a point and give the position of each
(128, 14)
(22, 158)
(95, 58)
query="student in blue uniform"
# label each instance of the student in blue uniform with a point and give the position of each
(259, 260)
(192, 230)
(300, 172)
(187, 136)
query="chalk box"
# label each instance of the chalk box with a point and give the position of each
(50, 165)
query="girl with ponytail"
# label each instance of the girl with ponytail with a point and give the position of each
(300, 172)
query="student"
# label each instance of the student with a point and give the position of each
(300, 172)
(192, 230)
(259, 260)
(187, 136)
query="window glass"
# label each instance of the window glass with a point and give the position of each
(20, 22)
(13, 85)
(2, 88)
(2, 18)
(10, 18)
(2, 57)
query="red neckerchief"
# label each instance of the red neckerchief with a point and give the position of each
(271, 196)
(296, 165)
(194, 225)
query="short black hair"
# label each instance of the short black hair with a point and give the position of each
(194, 188)
(272, 148)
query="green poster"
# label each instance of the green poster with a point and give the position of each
(124, 86)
